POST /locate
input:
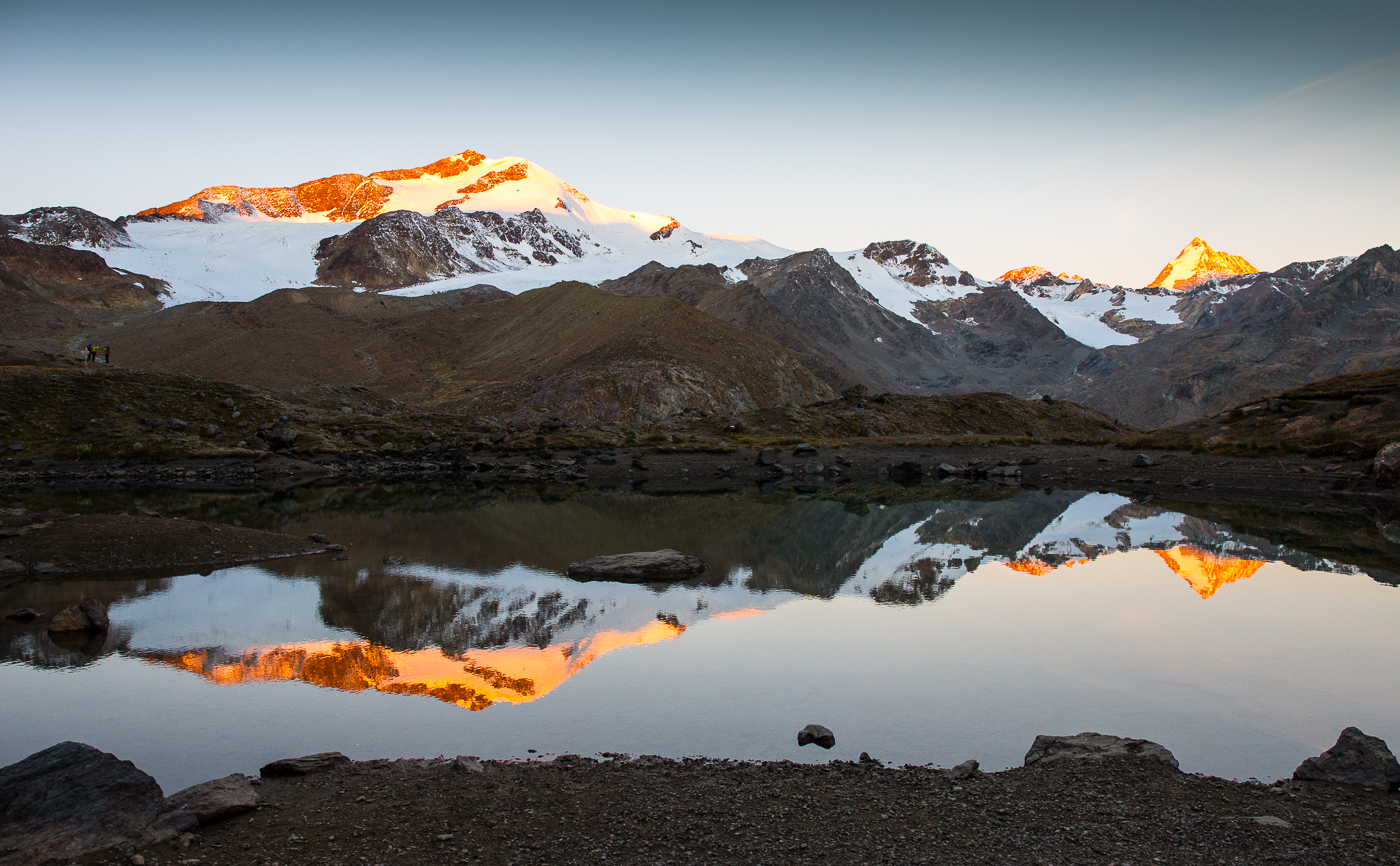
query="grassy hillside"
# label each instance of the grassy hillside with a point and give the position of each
(1353, 415)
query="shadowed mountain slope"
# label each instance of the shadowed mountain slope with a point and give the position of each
(569, 351)
(988, 340)
(1267, 339)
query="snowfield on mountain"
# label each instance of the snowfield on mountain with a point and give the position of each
(236, 243)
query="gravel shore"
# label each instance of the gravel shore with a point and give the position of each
(651, 810)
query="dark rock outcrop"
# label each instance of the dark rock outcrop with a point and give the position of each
(1387, 465)
(88, 615)
(72, 799)
(65, 226)
(305, 765)
(217, 799)
(403, 248)
(1094, 746)
(1356, 759)
(917, 264)
(819, 735)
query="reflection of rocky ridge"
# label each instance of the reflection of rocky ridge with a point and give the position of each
(514, 674)
(480, 611)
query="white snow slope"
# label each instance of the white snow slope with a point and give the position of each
(238, 257)
(247, 252)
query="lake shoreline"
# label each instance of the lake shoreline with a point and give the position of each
(1106, 467)
(1322, 493)
(581, 810)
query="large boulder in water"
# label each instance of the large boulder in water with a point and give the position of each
(821, 735)
(1356, 759)
(1089, 745)
(1387, 465)
(88, 615)
(72, 799)
(646, 566)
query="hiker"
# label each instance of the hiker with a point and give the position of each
(107, 355)
(92, 353)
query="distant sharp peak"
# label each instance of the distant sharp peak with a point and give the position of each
(65, 226)
(1197, 263)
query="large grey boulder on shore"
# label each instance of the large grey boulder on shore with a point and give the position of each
(650, 565)
(217, 799)
(305, 765)
(1356, 759)
(1089, 745)
(72, 799)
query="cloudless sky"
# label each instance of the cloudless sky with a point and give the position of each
(1091, 137)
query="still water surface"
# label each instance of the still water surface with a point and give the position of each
(919, 629)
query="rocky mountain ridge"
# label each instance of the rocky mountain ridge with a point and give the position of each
(1278, 332)
(895, 316)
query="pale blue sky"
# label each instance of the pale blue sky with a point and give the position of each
(1095, 138)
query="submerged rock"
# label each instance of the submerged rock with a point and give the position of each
(1049, 748)
(1356, 759)
(88, 615)
(906, 472)
(305, 765)
(24, 614)
(649, 565)
(819, 735)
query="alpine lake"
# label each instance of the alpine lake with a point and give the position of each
(923, 624)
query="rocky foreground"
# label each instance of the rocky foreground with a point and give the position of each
(1081, 799)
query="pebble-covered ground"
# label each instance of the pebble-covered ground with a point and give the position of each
(649, 810)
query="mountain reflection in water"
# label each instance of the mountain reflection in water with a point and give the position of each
(921, 624)
(471, 606)
(512, 674)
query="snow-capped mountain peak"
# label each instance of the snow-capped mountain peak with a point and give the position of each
(436, 226)
(1197, 263)
(1030, 275)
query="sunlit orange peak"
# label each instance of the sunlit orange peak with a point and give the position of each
(1031, 566)
(1024, 275)
(1197, 263)
(476, 681)
(1205, 571)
